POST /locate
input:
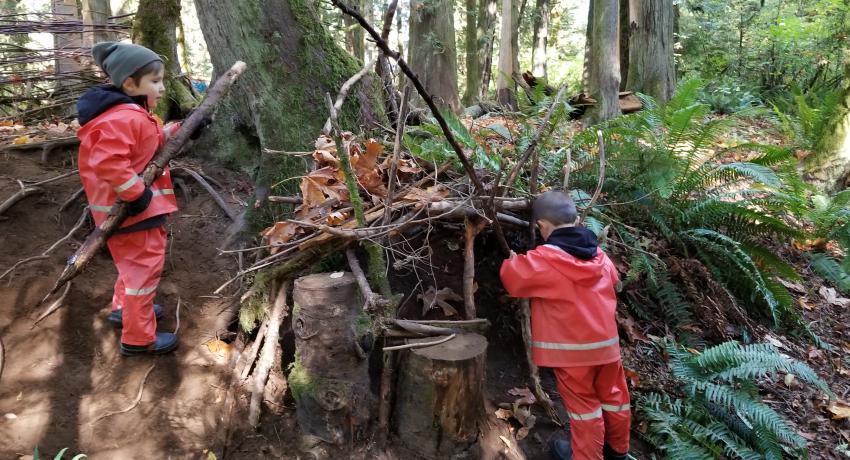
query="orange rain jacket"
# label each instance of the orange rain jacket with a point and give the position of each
(573, 305)
(115, 147)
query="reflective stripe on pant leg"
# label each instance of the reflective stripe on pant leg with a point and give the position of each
(616, 408)
(587, 429)
(118, 294)
(139, 257)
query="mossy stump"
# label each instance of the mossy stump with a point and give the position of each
(440, 399)
(329, 380)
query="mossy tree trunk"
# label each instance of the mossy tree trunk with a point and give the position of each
(829, 167)
(155, 27)
(473, 67)
(432, 50)
(604, 59)
(504, 84)
(279, 103)
(650, 68)
(542, 12)
(486, 35)
(355, 38)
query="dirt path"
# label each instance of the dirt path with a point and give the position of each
(64, 373)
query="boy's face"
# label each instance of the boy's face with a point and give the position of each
(150, 85)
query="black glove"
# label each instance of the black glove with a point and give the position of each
(141, 203)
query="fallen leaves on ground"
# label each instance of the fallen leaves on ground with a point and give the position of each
(526, 396)
(830, 295)
(839, 409)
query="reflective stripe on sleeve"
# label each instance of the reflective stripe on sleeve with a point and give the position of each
(126, 185)
(142, 291)
(576, 346)
(610, 408)
(99, 208)
(588, 416)
(165, 191)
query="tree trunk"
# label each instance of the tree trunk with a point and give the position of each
(588, 37)
(651, 68)
(330, 377)
(504, 84)
(67, 43)
(440, 400)
(279, 104)
(486, 36)
(96, 15)
(517, 13)
(624, 43)
(542, 12)
(432, 50)
(155, 27)
(473, 66)
(604, 81)
(829, 167)
(355, 38)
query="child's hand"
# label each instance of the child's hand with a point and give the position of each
(171, 128)
(513, 254)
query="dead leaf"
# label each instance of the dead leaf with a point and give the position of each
(522, 433)
(25, 139)
(790, 380)
(7, 123)
(280, 233)
(218, 347)
(432, 194)
(627, 323)
(337, 218)
(839, 409)
(633, 376)
(504, 414)
(831, 296)
(526, 396)
(804, 304)
(774, 341)
(795, 286)
(815, 353)
(440, 298)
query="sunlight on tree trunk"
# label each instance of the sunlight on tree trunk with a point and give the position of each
(604, 78)
(432, 49)
(829, 166)
(473, 67)
(67, 42)
(95, 16)
(486, 35)
(504, 87)
(541, 36)
(650, 68)
(624, 43)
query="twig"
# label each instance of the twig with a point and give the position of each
(264, 365)
(133, 404)
(46, 253)
(537, 388)
(472, 228)
(286, 199)
(399, 134)
(24, 192)
(420, 344)
(343, 93)
(420, 328)
(54, 306)
(54, 179)
(532, 189)
(387, 391)
(567, 167)
(206, 185)
(177, 314)
(369, 296)
(254, 350)
(2, 357)
(601, 179)
(449, 322)
(71, 199)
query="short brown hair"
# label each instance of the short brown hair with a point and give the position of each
(147, 69)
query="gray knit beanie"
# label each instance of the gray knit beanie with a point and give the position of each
(120, 60)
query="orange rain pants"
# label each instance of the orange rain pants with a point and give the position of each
(139, 257)
(597, 400)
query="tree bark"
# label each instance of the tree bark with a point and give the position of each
(355, 38)
(432, 50)
(624, 43)
(70, 42)
(517, 13)
(542, 12)
(604, 78)
(155, 27)
(473, 66)
(280, 104)
(330, 377)
(504, 84)
(651, 68)
(829, 166)
(96, 15)
(588, 37)
(486, 36)
(440, 400)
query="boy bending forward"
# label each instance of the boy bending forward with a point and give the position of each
(573, 302)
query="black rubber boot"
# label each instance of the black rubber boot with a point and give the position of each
(610, 454)
(116, 317)
(561, 449)
(165, 342)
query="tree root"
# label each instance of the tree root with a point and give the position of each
(206, 185)
(71, 199)
(25, 191)
(133, 404)
(54, 306)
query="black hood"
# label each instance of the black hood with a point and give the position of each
(576, 241)
(99, 99)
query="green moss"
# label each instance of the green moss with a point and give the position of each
(362, 325)
(303, 384)
(252, 312)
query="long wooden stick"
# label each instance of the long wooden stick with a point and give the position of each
(536, 387)
(97, 239)
(600, 180)
(264, 365)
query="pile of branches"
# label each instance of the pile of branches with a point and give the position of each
(30, 85)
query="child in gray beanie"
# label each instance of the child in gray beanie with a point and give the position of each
(118, 138)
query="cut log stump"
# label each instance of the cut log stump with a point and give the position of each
(440, 399)
(329, 379)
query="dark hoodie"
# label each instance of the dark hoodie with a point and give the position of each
(576, 241)
(99, 99)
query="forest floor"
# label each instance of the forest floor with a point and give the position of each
(64, 374)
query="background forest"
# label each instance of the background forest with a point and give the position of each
(706, 143)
